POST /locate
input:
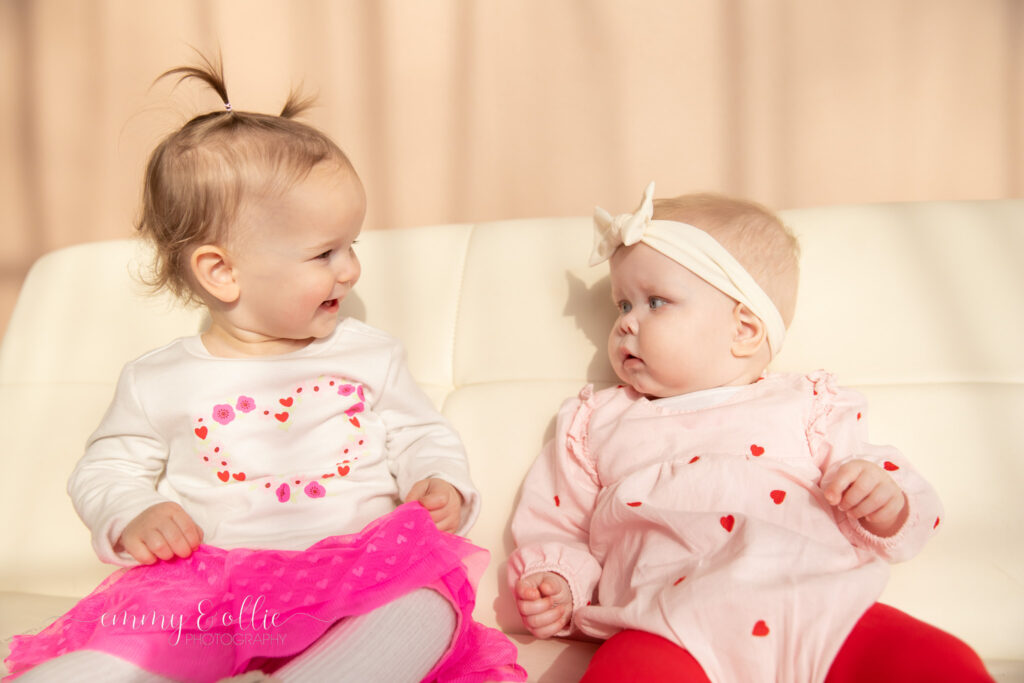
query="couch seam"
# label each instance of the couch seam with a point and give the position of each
(459, 306)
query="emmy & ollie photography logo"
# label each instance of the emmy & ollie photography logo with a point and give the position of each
(254, 623)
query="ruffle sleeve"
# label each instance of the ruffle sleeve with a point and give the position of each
(837, 434)
(551, 525)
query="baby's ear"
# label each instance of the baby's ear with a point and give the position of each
(211, 267)
(750, 334)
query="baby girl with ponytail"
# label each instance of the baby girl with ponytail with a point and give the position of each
(283, 499)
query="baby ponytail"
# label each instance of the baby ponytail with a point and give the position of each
(209, 72)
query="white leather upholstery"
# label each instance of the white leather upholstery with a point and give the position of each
(916, 305)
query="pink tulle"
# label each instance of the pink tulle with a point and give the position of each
(223, 612)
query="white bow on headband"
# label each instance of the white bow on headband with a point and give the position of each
(692, 248)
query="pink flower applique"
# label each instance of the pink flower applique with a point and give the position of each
(357, 408)
(362, 396)
(245, 404)
(284, 493)
(346, 389)
(223, 413)
(315, 490)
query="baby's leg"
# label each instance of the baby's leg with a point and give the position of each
(641, 657)
(400, 641)
(888, 645)
(90, 666)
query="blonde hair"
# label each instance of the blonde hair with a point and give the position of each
(198, 176)
(755, 236)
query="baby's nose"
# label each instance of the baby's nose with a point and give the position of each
(628, 323)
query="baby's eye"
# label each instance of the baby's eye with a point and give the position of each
(656, 302)
(326, 254)
(624, 307)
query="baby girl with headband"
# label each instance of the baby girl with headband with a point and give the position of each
(711, 521)
(251, 479)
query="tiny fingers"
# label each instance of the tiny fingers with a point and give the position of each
(138, 550)
(547, 623)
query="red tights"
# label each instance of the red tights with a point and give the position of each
(885, 645)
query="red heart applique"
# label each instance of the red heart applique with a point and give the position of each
(240, 476)
(201, 432)
(727, 522)
(343, 470)
(892, 467)
(286, 402)
(756, 450)
(635, 504)
(354, 421)
(778, 496)
(761, 629)
(281, 417)
(557, 501)
(693, 459)
(224, 476)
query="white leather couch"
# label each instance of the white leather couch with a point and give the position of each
(917, 305)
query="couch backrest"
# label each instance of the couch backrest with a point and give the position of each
(913, 304)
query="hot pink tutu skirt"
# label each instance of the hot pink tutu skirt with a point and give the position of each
(222, 612)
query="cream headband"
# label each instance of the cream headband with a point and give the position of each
(692, 248)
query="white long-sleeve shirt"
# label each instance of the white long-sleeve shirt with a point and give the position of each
(269, 452)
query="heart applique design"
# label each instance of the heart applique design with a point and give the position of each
(343, 470)
(778, 496)
(727, 522)
(358, 571)
(201, 432)
(693, 459)
(281, 417)
(240, 476)
(890, 466)
(558, 501)
(761, 629)
(224, 476)
(354, 421)
(286, 402)
(756, 451)
(400, 540)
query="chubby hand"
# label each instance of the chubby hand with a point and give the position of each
(866, 492)
(161, 532)
(545, 603)
(442, 500)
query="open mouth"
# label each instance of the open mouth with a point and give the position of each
(330, 305)
(630, 359)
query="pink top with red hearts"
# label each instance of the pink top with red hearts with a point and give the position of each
(708, 526)
(270, 452)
